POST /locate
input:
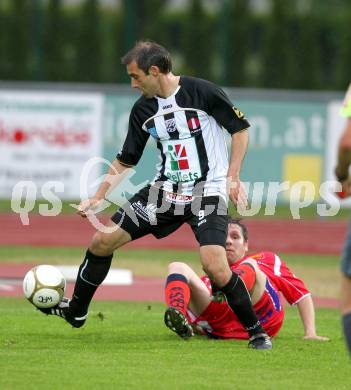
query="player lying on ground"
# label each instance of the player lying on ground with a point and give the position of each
(193, 306)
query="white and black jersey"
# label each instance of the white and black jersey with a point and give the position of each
(187, 127)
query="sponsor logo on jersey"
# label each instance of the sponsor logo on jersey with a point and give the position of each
(178, 198)
(171, 125)
(145, 212)
(194, 123)
(182, 177)
(166, 107)
(179, 163)
(179, 158)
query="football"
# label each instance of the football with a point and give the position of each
(44, 286)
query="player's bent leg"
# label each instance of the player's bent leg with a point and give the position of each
(94, 269)
(104, 244)
(200, 296)
(255, 282)
(237, 295)
(214, 263)
(91, 274)
(184, 289)
(177, 296)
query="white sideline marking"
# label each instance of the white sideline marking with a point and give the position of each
(6, 287)
(116, 276)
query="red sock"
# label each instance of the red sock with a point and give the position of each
(177, 292)
(247, 274)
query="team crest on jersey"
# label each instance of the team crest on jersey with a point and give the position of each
(179, 157)
(238, 113)
(194, 123)
(171, 125)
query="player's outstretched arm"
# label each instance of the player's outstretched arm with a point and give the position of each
(114, 176)
(307, 315)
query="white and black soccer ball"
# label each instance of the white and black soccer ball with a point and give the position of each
(44, 286)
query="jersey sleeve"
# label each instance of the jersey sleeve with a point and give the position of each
(222, 109)
(135, 141)
(292, 287)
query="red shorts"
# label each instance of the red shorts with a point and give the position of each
(218, 320)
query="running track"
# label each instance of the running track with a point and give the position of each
(293, 236)
(277, 235)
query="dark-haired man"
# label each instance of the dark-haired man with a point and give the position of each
(185, 117)
(194, 306)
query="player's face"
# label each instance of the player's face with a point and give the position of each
(236, 246)
(147, 84)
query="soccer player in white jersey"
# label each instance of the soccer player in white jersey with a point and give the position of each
(186, 117)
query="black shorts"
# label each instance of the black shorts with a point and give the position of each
(149, 211)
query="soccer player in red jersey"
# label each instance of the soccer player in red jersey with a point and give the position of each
(193, 305)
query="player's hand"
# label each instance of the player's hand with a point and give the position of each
(237, 193)
(88, 205)
(345, 191)
(346, 187)
(316, 337)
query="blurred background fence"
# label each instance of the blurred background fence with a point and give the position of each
(286, 64)
(258, 43)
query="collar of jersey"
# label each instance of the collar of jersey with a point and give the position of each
(173, 94)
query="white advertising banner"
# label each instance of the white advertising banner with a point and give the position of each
(48, 137)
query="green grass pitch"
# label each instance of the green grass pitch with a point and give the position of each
(130, 348)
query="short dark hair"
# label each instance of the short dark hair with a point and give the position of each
(148, 53)
(237, 221)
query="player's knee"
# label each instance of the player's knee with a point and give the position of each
(214, 261)
(217, 273)
(177, 267)
(101, 245)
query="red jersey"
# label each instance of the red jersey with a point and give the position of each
(280, 275)
(218, 320)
